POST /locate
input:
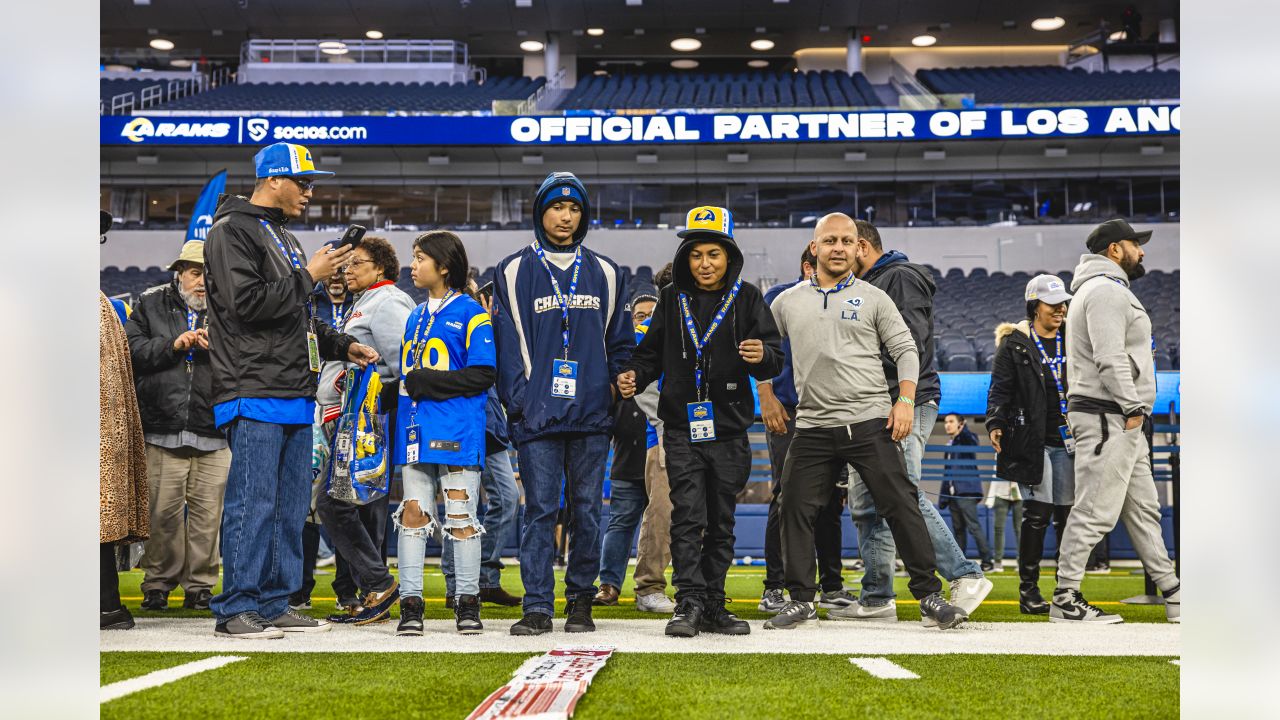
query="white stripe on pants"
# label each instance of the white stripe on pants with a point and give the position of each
(1112, 484)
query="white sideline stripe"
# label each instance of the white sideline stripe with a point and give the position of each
(1176, 662)
(823, 637)
(884, 668)
(115, 690)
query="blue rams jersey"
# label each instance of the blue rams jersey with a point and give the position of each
(450, 431)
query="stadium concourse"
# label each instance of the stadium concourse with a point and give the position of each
(981, 144)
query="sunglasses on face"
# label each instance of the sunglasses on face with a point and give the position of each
(303, 185)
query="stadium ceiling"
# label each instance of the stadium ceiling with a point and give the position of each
(215, 29)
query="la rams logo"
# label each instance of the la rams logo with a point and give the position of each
(707, 215)
(137, 129)
(850, 309)
(700, 412)
(564, 369)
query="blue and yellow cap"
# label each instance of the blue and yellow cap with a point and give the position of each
(708, 220)
(286, 159)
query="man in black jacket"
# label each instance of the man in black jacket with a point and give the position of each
(266, 343)
(711, 333)
(187, 458)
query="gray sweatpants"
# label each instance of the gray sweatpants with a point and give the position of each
(1112, 484)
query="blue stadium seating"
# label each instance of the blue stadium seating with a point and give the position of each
(359, 97)
(1048, 83)
(722, 90)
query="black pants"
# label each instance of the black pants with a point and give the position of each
(705, 478)
(310, 549)
(109, 578)
(813, 466)
(827, 532)
(358, 533)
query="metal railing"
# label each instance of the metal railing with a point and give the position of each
(533, 103)
(912, 95)
(309, 50)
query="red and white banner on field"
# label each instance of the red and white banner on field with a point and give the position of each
(546, 687)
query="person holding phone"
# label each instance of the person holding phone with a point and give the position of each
(266, 345)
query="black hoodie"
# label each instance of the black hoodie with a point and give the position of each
(911, 288)
(258, 308)
(667, 350)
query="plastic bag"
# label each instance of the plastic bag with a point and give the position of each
(359, 464)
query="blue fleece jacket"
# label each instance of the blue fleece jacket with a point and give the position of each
(784, 386)
(528, 325)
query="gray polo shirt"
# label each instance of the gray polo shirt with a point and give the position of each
(835, 351)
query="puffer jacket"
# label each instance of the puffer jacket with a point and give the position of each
(1017, 403)
(170, 398)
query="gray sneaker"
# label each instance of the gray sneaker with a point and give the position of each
(836, 599)
(967, 593)
(248, 626)
(875, 613)
(944, 615)
(1070, 606)
(293, 621)
(792, 615)
(772, 601)
(1173, 606)
(655, 603)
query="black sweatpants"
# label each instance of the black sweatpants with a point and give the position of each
(813, 467)
(827, 532)
(705, 478)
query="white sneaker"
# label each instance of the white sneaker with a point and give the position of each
(968, 593)
(858, 611)
(655, 603)
(1172, 608)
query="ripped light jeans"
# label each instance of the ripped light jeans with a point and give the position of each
(461, 489)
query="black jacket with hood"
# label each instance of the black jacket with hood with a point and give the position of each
(1017, 403)
(258, 318)
(911, 287)
(170, 399)
(667, 350)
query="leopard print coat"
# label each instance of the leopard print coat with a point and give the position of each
(122, 459)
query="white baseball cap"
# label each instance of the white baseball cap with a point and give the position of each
(1048, 289)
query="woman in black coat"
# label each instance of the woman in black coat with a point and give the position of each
(1026, 408)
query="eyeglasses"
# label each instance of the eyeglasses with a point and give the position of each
(303, 185)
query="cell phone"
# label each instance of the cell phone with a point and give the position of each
(486, 291)
(352, 237)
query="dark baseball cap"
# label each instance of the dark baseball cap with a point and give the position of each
(1113, 231)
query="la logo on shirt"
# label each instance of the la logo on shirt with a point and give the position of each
(849, 311)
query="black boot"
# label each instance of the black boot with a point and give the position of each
(686, 620)
(578, 615)
(717, 619)
(1035, 523)
(466, 613)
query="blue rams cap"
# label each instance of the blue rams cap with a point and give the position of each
(562, 193)
(286, 159)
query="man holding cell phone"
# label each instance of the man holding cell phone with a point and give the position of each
(710, 334)
(266, 343)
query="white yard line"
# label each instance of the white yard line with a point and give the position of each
(884, 668)
(826, 637)
(1176, 662)
(107, 693)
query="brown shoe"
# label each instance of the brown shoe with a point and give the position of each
(608, 595)
(498, 596)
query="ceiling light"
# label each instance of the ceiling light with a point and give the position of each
(531, 46)
(762, 45)
(162, 44)
(524, 3)
(117, 68)
(634, 3)
(335, 51)
(601, 73)
(758, 63)
(938, 154)
(373, 34)
(738, 157)
(923, 40)
(1117, 36)
(531, 158)
(647, 158)
(855, 155)
(1055, 151)
(595, 32)
(684, 64)
(1047, 24)
(332, 45)
(437, 159)
(180, 62)
(686, 44)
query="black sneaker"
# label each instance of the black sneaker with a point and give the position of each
(795, 614)
(199, 600)
(410, 616)
(1031, 602)
(772, 601)
(448, 603)
(248, 626)
(717, 619)
(466, 613)
(987, 566)
(940, 611)
(534, 623)
(118, 619)
(578, 615)
(1070, 606)
(377, 605)
(686, 620)
(155, 600)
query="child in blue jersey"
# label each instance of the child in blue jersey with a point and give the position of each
(448, 363)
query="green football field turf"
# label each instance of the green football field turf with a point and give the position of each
(661, 685)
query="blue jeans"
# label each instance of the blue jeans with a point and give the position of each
(576, 463)
(1059, 484)
(502, 500)
(626, 506)
(875, 542)
(422, 481)
(266, 503)
(964, 519)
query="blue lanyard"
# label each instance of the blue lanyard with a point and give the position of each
(561, 299)
(191, 325)
(420, 335)
(1055, 366)
(698, 344)
(340, 312)
(849, 280)
(292, 258)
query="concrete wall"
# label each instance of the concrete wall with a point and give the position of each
(769, 253)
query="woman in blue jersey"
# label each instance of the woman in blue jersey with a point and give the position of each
(448, 360)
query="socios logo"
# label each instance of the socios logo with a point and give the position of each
(707, 215)
(257, 128)
(138, 128)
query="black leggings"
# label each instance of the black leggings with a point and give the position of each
(109, 597)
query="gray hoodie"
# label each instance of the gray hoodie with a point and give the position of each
(1109, 348)
(377, 319)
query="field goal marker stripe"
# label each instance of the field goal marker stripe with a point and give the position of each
(115, 690)
(883, 668)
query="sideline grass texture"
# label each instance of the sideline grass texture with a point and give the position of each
(655, 686)
(745, 584)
